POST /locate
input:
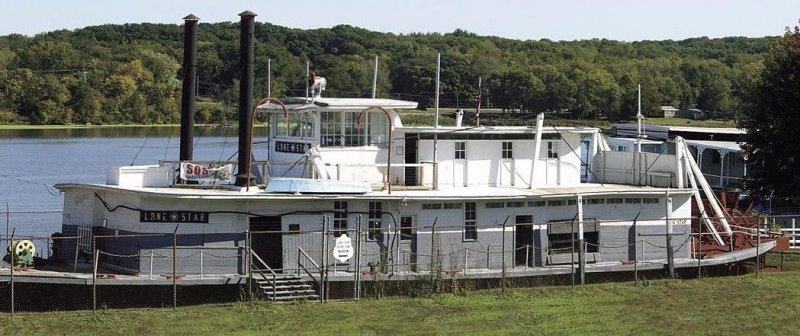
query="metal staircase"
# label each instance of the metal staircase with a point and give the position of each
(280, 287)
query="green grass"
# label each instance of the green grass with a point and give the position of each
(751, 304)
(690, 122)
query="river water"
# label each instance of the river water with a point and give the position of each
(33, 160)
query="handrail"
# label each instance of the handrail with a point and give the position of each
(274, 275)
(307, 257)
(300, 264)
(263, 263)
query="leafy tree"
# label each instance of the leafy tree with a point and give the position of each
(772, 118)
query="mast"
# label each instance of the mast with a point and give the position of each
(436, 125)
(269, 77)
(637, 156)
(308, 78)
(478, 104)
(375, 79)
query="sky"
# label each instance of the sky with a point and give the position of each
(625, 20)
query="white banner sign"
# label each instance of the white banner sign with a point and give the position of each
(200, 173)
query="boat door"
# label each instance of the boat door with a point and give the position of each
(523, 240)
(266, 241)
(506, 172)
(460, 165)
(585, 145)
(408, 243)
(411, 175)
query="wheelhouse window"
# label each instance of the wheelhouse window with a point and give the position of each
(339, 218)
(353, 132)
(330, 129)
(508, 150)
(376, 129)
(552, 150)
(461, 150)
(295, 125)
(341, 128)
(470, 221)
(374, 224)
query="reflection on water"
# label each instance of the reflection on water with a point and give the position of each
(122, 131)
(34, 160)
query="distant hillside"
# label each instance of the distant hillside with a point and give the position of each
(129, 73)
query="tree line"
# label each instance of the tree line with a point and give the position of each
(129, 73)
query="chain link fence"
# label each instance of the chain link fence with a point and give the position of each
(344, 260)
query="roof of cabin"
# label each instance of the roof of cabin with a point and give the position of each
(471, 193)
(298, 103)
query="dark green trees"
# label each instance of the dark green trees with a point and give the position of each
(772, 119)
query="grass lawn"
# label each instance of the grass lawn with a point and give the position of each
(748, 304)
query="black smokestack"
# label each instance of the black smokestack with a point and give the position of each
(189, 85)
(246, 60)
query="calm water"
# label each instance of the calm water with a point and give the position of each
(31, 161)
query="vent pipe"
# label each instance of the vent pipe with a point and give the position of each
(189, 86)
(246, 60)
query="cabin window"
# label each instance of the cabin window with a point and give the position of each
(461, 150)
(572, 202)
(552, 150)
(595, 200)
(431, 206)
(632, 200)
(295, 125)
(615, 200)
(375, 213)
(556, 203)
(339, 218)
(650, 200)
(495, 205)
(622, 149)
(406, 223)
(515, 204)
(537, 204)
(294, 228)
(508, 151)
(330, 129)
(470, 221)
(452, 206)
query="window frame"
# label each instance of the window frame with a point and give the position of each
(470, 232)
(460, 153)
(507, 150)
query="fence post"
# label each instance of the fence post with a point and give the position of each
(466, 260)
(488, 263)
(10, 241)
(699, 250)
(356, 267)
(758, 246)
(248, 257)
(174, 268)
(794, 235)
(322, 261)
(527, 255)
(94, 274)
(150, 277)
(503, 263)
(635, 264)
(201, 265)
